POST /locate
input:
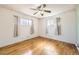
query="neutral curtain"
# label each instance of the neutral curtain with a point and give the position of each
(16, 26)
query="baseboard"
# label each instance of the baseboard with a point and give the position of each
(15, 40)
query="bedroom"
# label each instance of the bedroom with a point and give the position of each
(34, 26)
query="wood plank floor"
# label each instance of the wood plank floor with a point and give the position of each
(40, 46)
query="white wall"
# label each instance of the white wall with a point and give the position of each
(68, 26)
(7, 27)
(77, 15)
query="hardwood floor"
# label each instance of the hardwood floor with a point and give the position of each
(40, 46)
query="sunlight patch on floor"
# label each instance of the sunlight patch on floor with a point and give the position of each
(49, 51)
(29, 52)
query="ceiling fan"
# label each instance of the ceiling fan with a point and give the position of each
(41, 9)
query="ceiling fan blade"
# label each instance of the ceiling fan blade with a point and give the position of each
(44, 5)
(47, 11)
(35, 13)
(39, 7)
(41, 14)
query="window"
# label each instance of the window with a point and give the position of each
(25, 22)
(53, 26)
(25, 27)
